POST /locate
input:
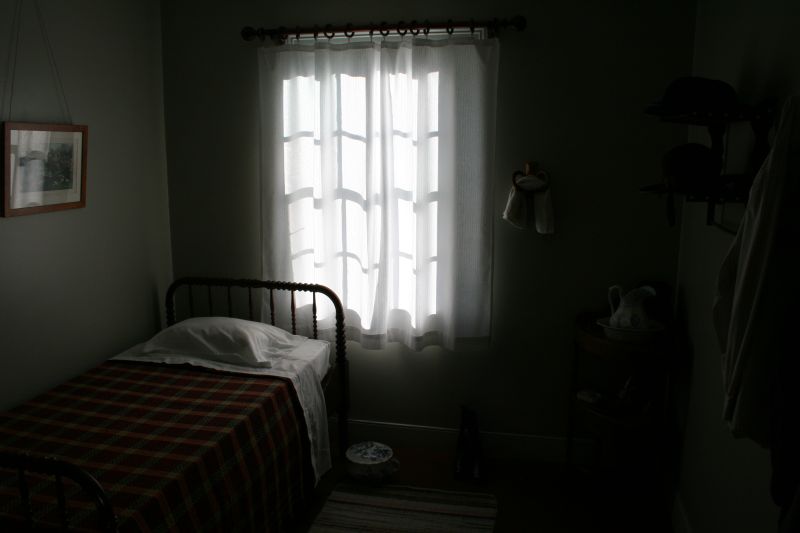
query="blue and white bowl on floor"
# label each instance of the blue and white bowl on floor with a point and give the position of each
(371, 461)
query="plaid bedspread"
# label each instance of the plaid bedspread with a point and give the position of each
(177, 448)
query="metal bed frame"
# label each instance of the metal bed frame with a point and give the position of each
(254, 286)
(59, 469)
(24, 463)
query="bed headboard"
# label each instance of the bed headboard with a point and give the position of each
(230, 291)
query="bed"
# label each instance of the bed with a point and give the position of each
(147, 443)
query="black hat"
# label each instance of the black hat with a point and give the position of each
(695, 95)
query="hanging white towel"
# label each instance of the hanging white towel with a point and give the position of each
(756, 284)
(530, 203)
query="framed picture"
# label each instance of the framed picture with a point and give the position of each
(44, 167)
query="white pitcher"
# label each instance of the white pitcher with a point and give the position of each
(628, 311)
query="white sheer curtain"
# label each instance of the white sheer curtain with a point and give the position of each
(376, 165)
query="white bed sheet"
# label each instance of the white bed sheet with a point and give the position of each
(315, 352)
(305, 367)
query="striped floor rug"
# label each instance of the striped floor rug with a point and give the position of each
(397, 509)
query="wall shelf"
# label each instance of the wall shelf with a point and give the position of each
(713, 118)
(717, 188)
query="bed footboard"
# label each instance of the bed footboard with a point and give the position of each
(24, 464)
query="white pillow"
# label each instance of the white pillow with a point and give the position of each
(225, 340)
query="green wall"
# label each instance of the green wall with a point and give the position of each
(80, 285)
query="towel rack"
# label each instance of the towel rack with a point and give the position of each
(531, 168)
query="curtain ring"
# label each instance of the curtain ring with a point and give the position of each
(400, 25)
(450, 29)
(426, 30)
(330, 35)
(413, 28)
(472, 26)
(316, 32)
(297, 32)
(348, 31)
(383, 30)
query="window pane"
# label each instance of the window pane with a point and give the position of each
(301, 233)
(299, 109)
(407, 288)
(336, 227)
(357, 291)
(407, 228)
(405, 164)
(354, 166)
(356, 220)
(303, 266)
(299, 163)
(301, 237)
(431, 294)
(430, 107)
(402, 111)
(354, 110)
(430, 164)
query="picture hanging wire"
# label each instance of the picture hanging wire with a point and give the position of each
(13, 57)
(11, 63)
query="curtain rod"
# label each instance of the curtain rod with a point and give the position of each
(281, 34)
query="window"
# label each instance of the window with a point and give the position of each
(376, 164)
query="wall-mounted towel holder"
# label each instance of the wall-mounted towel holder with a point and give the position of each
(531, 168)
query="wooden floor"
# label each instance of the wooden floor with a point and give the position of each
(537, 498)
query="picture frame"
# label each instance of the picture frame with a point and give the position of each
(44, 167)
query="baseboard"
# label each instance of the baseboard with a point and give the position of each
(680, 520)
(508, 446)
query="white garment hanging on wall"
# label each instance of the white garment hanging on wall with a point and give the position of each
(754, 284)
(530, 204)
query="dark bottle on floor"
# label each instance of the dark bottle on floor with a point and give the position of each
(469, 457)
